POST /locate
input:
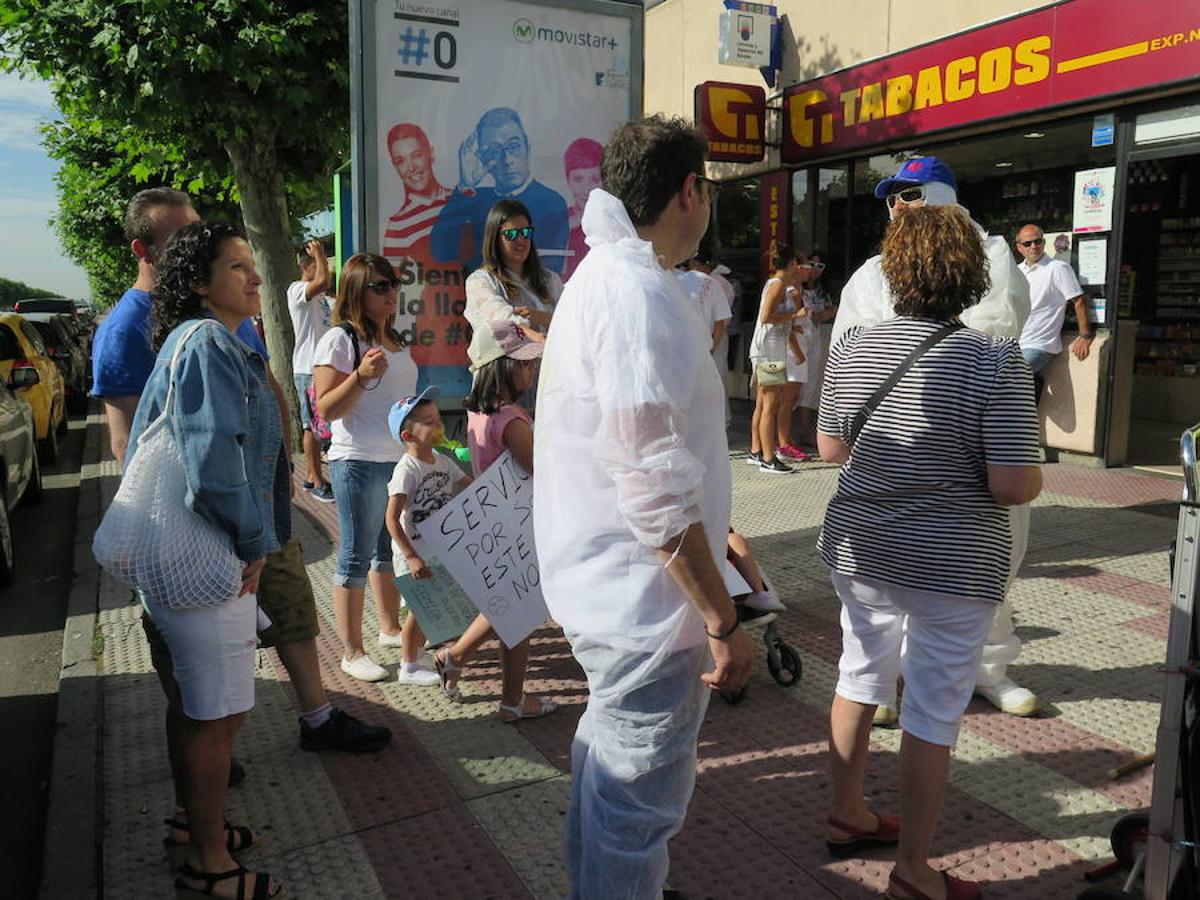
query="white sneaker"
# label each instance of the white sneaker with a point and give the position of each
(764, 600)
(886, 716)
(389, 640)
(364, 669)
(1009, 697)
(420, 677)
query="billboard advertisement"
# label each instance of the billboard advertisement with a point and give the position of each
(466, 102)
(1067, 53)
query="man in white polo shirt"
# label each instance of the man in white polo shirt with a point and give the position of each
(1052, 285)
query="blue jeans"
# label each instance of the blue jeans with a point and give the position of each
(363, 539)
(1037, 359)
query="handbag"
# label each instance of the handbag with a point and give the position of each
(860, 418)
(770, 373)
(149, 539)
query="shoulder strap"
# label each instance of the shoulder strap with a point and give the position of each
(860, 419)
(349, 329)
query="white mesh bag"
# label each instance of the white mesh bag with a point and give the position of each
(150, 540)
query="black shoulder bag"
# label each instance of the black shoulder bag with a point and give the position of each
(860, 419)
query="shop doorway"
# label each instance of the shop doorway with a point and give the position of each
(1159, 289)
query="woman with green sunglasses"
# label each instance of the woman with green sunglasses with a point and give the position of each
(512, 285)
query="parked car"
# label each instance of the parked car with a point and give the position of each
(45, 304)
(26, 367)
(67, 346)
(20, 471)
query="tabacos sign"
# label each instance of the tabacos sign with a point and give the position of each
(1074, 51)
(733, 117)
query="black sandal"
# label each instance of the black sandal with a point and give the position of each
(238, 838)
(262, 883)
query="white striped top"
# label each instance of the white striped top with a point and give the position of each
(912, 505)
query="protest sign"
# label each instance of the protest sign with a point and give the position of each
(484, 538)
(442, 609)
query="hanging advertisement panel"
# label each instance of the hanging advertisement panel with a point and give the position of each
(467, 102)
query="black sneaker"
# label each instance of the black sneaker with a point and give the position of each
(344, 732)
(776, 466)
(755, 459)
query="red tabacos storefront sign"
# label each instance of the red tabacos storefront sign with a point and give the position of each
(1074, 51)
(734, 119)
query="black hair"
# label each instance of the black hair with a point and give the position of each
(185, 265)
(784, 257)
(646, 162)
(495, 384)
(139, 214)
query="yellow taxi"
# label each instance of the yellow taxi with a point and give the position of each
(28, 370)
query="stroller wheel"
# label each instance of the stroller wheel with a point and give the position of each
(1128, 836)
(733, 698)
(788, 669)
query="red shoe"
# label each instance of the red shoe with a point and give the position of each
(886, 833)
(794, 452)
(956, 889)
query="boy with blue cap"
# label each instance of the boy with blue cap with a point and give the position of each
(866, 301)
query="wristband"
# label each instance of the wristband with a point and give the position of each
(724, 634)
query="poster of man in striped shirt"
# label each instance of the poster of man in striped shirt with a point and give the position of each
(439, 332)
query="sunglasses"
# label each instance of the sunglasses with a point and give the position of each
(1035, 241)
(493, 152)
(383, 285)
(511, 234)
(819, 266)
(908, 195)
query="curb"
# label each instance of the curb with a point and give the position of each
(71, 858)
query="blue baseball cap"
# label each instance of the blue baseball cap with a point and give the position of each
(918, 170)
(402, 409)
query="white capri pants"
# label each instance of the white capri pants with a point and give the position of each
(213, 655)
(935, 640)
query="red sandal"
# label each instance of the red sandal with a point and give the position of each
(885, 833)
(956, 889)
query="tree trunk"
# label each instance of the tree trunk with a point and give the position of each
(268, 226)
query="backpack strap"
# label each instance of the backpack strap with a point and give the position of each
(349, 329)
(860, 419)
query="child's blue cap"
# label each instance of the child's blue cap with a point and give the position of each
(402, 409)
(918, 170)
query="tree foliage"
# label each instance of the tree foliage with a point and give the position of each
(12, 291)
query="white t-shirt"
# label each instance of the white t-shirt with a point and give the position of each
(709, 298)
(362, 433)
(426, 487)
(310, 321)
(1051, 284)
(630, 446)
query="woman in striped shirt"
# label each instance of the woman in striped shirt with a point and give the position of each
(917, 533)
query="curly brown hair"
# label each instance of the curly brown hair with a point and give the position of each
(934, 262)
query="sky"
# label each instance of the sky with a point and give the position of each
(29, 249)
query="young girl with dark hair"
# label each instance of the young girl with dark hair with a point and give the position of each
(504, 361)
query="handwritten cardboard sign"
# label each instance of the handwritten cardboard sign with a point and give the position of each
(484, 538)
(442, 609)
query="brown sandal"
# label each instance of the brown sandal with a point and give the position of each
(262, 882)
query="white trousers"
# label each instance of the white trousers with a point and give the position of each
(633, 767)
(1003, 646)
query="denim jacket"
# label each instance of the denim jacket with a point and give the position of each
(226, 422)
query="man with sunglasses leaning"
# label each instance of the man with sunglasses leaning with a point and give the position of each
(498, 146)
(1052, 286)
(866, 301)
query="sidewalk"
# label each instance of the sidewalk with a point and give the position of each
(462, 805)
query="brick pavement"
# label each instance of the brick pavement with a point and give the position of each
(462, 805)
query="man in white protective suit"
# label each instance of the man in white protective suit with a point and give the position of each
(921, 181)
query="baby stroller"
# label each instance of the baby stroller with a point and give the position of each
(1159, 846)
(783, 660)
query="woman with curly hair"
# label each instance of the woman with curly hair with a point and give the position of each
(917, 533)
(227, 425)
(360, 368)
(512, 284)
